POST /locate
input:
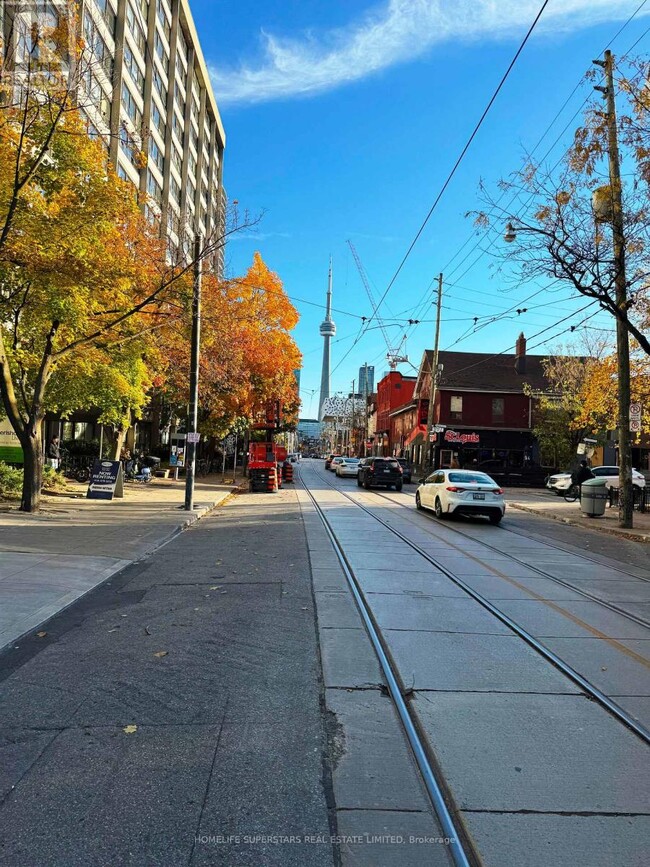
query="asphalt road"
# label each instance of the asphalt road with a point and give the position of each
(175, 710)
(220, 704)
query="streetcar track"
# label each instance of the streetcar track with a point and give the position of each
(542, 541)
(612, 606)
(592, 692)
(436, 788)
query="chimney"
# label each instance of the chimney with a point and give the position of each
(520, 354)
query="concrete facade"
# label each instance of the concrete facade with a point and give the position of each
(144, 87)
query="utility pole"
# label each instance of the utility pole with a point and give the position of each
(192, 416)
(434, 377)
(352, 424)
(365, 409)
(626, 501)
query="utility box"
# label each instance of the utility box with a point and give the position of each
(593, 498)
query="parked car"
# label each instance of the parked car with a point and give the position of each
(335, 462)
(461, 492)
(380, 472)
(328, 460)
(561, 482)
(347, 467)
(407, 470)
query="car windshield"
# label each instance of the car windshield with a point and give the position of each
(403, 462)
(386, 463)
(468, 478)
(352, 460)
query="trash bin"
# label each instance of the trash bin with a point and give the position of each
(593, 498)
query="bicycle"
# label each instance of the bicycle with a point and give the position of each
(572, 493)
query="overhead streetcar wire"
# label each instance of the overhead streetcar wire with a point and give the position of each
(451, 173)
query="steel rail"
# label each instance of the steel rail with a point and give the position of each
(432, 785)
(557, 547)
(611, 606)
(640, 730)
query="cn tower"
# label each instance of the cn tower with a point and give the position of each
(328, 330)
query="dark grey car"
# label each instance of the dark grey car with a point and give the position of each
(380, 472)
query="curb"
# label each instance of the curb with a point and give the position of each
(609, 531)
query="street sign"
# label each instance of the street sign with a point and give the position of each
(635, 425)
(193, 437)
(635, 409)
(437, 428)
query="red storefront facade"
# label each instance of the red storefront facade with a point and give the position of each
(482, 405)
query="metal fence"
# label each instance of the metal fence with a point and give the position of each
(641, 498)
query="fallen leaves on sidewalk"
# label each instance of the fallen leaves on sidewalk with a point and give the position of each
(130, 730)
(161, 653)
(41, 634)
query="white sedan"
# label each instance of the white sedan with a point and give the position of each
(465, 492)
(348, 467)
(561, 482)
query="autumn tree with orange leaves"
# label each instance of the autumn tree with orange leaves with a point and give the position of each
(87, 286)
(247, 351)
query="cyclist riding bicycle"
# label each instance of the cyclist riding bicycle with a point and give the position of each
(581, 474)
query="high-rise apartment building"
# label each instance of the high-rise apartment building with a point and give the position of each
(366, 380)
(145, 89)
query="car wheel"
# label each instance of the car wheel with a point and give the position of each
(438, 509)
(358, 482)
(495, 518)
(398, 486)
(366, 485)
(418, 502)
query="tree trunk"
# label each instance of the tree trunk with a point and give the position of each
(32, 469)
(119, 436)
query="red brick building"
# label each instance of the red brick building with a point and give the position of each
(393, 391)
(481, 402)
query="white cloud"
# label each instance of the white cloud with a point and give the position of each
(397, 32)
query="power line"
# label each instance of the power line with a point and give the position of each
(452, 172)
(464, 151)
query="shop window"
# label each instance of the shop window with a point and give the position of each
(456, 408)
(498, 409)
(78, 431)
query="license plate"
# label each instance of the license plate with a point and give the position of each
(479, 496)
(386, 471)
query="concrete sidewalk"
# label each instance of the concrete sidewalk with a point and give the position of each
(549, 505)
(49, 560)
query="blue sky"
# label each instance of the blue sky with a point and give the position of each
(344, 118)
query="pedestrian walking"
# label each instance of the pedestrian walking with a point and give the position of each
(53, 454)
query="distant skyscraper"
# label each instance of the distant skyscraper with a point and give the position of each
(328, 330)
(366, 379)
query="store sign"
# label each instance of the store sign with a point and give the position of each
(10, 449)
(106, 480)
(452, 437)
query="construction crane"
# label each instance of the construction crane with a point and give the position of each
(393, 355)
